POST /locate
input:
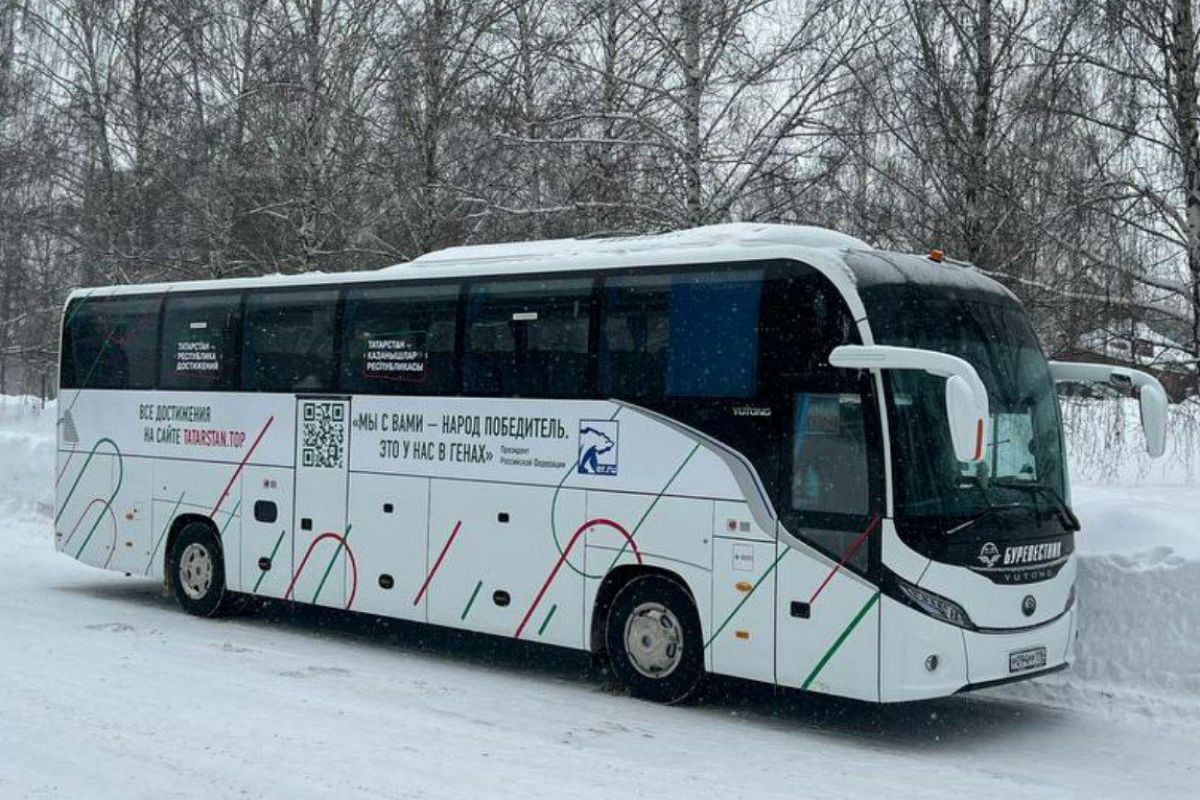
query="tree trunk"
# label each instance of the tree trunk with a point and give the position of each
(977, 158)
(1188, 132)
(693, 94)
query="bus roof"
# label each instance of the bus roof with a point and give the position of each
(877, 267)
(705, 245)
(685, 242)
(846, 260)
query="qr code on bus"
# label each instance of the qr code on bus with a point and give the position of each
(323, 435)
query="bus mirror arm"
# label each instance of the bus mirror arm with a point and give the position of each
(966, 397)
(1152, 398)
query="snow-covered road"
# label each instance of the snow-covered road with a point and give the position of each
(107, 690)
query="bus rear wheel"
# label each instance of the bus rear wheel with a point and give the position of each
(654, 640)
(196, 570)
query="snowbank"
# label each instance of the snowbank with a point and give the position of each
(1139, 571)
(26, 455)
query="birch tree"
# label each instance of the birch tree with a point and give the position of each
(1145, 111)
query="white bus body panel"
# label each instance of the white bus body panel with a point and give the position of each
(674, 493)
(261, 540)
(963, 658)
(326, 571)
(836, 649)
(390, 538)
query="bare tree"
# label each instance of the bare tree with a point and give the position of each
(1146, 117)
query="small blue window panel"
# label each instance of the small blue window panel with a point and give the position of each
(714, 335)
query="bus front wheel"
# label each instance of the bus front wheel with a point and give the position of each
(196, 570)
(654, 640)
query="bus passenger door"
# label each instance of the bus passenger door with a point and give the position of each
(322, 544)
(827, 607)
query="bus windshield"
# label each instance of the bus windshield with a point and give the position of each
(1023, 464)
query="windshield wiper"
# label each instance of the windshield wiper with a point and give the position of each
(989, 510)
(1065, 515)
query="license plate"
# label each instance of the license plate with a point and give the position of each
(1024, 660)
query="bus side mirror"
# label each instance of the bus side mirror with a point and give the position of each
(966, 397)
(1152, 398)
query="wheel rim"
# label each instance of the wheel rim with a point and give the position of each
(653, 640)
(195, 571)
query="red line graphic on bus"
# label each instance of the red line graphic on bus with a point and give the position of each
(437, 564)
(849, 554)
(349, 554)
(241, 466)
(591, 523)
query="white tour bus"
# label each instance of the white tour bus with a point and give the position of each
(762, 451)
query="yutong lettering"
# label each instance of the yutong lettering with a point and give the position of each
(1031, 553)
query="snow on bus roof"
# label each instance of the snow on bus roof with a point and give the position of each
(879, 267)
(711, 243)
(734, 234)
(849, 262)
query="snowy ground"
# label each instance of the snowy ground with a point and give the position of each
(107, 690)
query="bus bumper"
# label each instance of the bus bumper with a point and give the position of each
(922, 658)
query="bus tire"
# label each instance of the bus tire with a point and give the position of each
(196, 570)
(655, 644)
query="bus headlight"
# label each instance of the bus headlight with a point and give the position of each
(934, 604)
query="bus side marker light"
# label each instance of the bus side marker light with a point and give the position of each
(937, 256)
(743, 635)
(931, 663)
(744, 586)
(386, 581)
(264, 563)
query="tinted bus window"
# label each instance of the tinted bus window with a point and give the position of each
(289, 341)
(681, 335)
(111, 343)
(803, 319)
(200, 338)
(400, 340)
(528, 338)
(829, 454)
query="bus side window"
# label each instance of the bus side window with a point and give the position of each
(829, 454)
(635, 337)
(400, 339)
(528, 339)
(830, 489)
(111, 343)
(200, 339)
(289, 341)
(685, 335)
(803, 319)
